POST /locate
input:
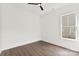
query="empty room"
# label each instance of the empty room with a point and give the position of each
(39, 29)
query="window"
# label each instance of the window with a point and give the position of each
(69, 26)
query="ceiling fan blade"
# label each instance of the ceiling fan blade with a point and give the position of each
(33, 3)
(41, 8)
(39, 4)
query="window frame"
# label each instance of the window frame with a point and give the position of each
(68, 13)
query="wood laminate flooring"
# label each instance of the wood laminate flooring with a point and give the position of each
(39, 48)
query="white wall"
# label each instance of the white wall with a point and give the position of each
(19, 26)
(51, 27)
(0, 29)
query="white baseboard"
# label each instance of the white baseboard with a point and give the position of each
(74, 48)
(20, 44)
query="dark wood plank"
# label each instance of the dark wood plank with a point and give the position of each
(39, 48)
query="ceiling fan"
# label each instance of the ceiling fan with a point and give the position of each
(38, 4)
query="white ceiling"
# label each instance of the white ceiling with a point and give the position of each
(36, 9)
